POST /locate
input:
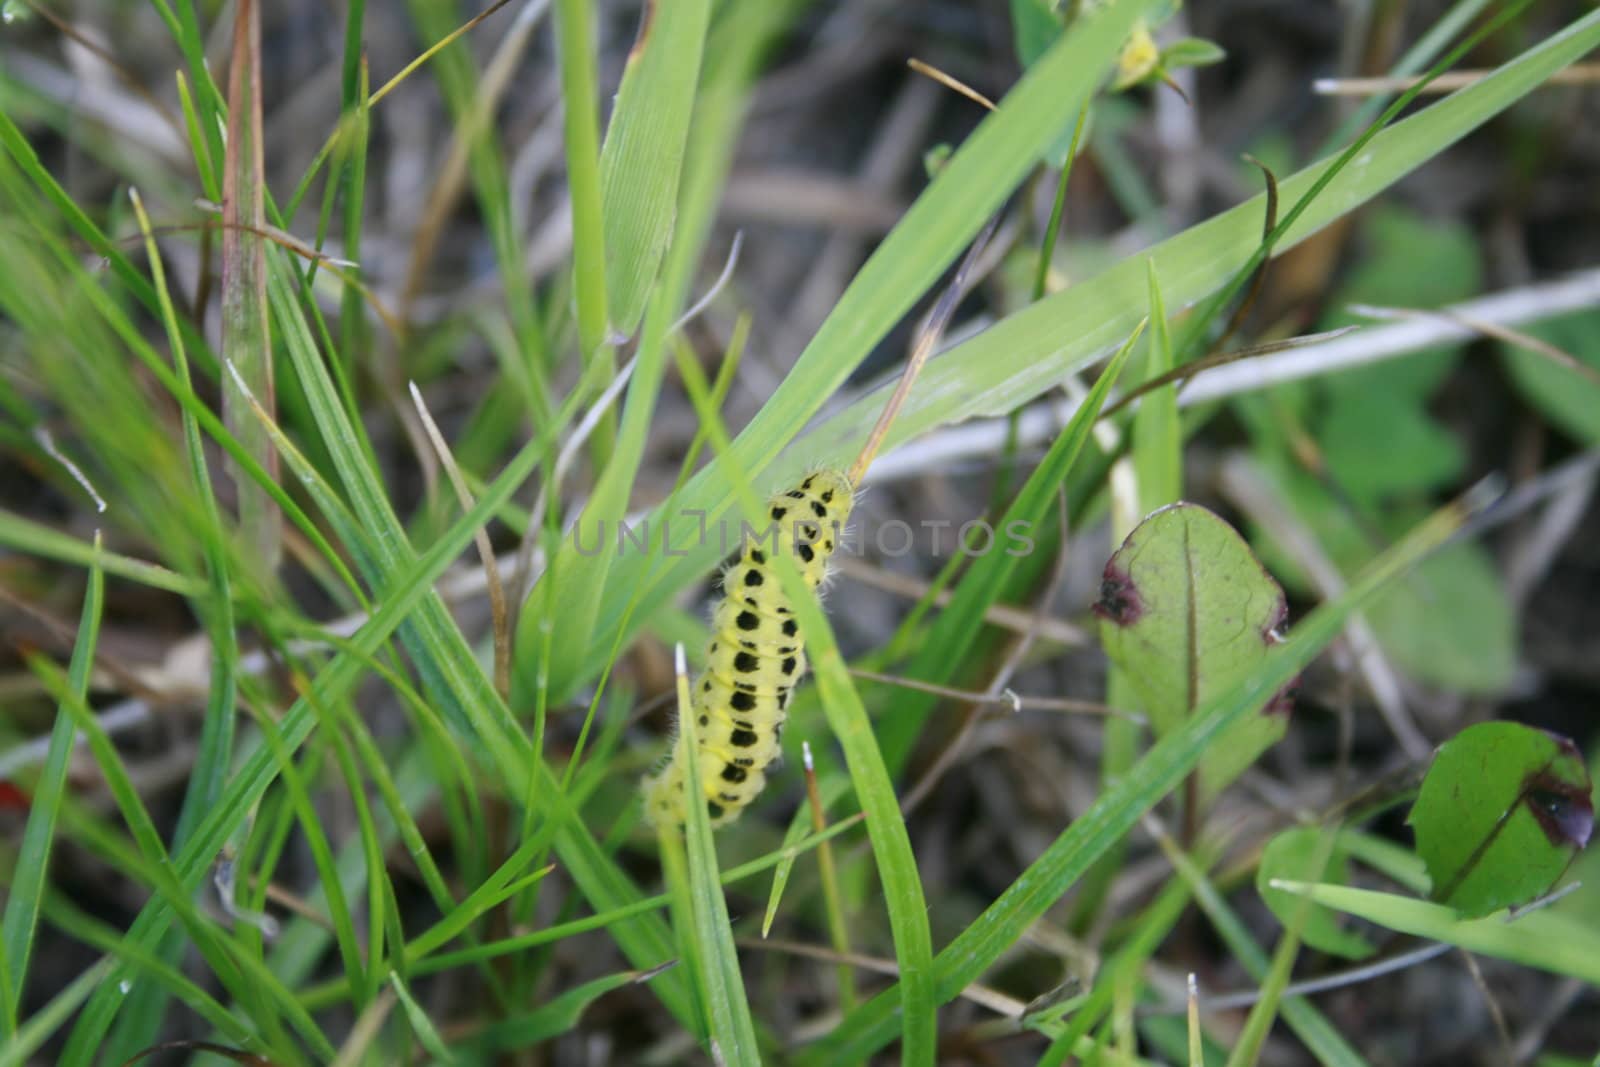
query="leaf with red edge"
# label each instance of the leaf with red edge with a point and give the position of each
(1187, 610)
(1503, 811)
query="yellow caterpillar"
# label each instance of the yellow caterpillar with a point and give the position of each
(756, 655)
(755, 658)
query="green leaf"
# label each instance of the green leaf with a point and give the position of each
(1034, 28)
(1501, 814)
(641, 161)
(1451, 623)
(1382, 442)
(1187, 611)
(28, 878)
(1292, 856)
(1376, 433)
(716, 963)
(1192, 52)
(1567, 398)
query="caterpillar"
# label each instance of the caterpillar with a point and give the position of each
(754, 657)
(756, 654)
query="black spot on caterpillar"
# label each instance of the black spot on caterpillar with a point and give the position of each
(753, 661)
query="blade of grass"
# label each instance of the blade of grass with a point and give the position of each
(567, 581)
(44, 1022)
(30, 538)
(421, 1025)
(1549, 940)
(731, 1031)
(580, 86)
(245, 338)
(642, 159)
(109, 942)
(1161, 769)
(1151, 928)
(333, 683)
(1247, 1048)
(26, 891)
(151, 863)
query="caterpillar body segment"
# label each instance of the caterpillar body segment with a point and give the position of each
(755, 656)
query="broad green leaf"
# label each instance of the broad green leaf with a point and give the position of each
(1383, 441)
(641, 161)
(1409, 261)
(1187, 611)
(1501, 814)
(1292, 856)
(1565, 396)
(1375, 431)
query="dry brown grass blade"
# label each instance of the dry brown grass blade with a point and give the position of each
(928, 70)
(246, 342)
(498, 612)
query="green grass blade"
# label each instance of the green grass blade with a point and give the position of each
(1549, 940)
(215, 754)
(642, 159)
(332, 684)
(716, 961)
(26, 892)
(43, 1023)
(580, 86)
(1157, 437)
(421, 1025)
(569, 577)
(556, 1016)
(1161, 770)
(30, 538)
